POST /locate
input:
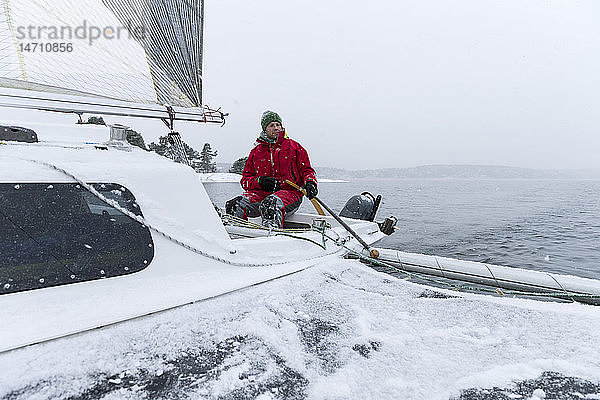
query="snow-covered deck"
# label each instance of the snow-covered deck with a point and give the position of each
(335, 331)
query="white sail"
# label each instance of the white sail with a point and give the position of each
(135, 51)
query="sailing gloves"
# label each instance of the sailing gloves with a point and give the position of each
(269, 184)
(232, 205)
(311, 189)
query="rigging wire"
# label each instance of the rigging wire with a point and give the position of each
(560, 295)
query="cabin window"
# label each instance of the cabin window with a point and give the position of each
(58, 233)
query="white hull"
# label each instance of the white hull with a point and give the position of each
(561, 286)
(187, 235)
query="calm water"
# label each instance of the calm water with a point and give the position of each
(548, 225)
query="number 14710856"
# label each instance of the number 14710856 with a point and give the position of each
(46, 47)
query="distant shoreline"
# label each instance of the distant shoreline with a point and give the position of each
(440, 172)
(227, 177)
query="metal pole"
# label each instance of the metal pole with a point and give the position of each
(333, 214)
(341, 221)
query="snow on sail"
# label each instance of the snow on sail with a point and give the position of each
(132, 51)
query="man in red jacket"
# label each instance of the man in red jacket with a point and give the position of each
(274, 159)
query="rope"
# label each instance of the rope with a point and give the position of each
(179, 242)
(11, 28)
(498, 289)
(440, 267)
(558, 283)
(233, 220)
(339, 241)
(559, 295)
(303, 238)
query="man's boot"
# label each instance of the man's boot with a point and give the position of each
(270, 211)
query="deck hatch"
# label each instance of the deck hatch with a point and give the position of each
(58, 233)
(18, 134)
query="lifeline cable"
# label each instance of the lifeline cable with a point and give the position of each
(337, 241)
(142, 221)
(559, 295)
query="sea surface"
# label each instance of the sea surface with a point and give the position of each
(545, 225)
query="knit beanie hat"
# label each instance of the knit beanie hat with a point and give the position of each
(267, 118)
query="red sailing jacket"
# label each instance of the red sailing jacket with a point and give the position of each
(284, 159)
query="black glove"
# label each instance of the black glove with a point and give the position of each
(269, 184)
(231, 205)
(311, 189)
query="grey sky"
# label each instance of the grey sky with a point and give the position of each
(404, 83)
